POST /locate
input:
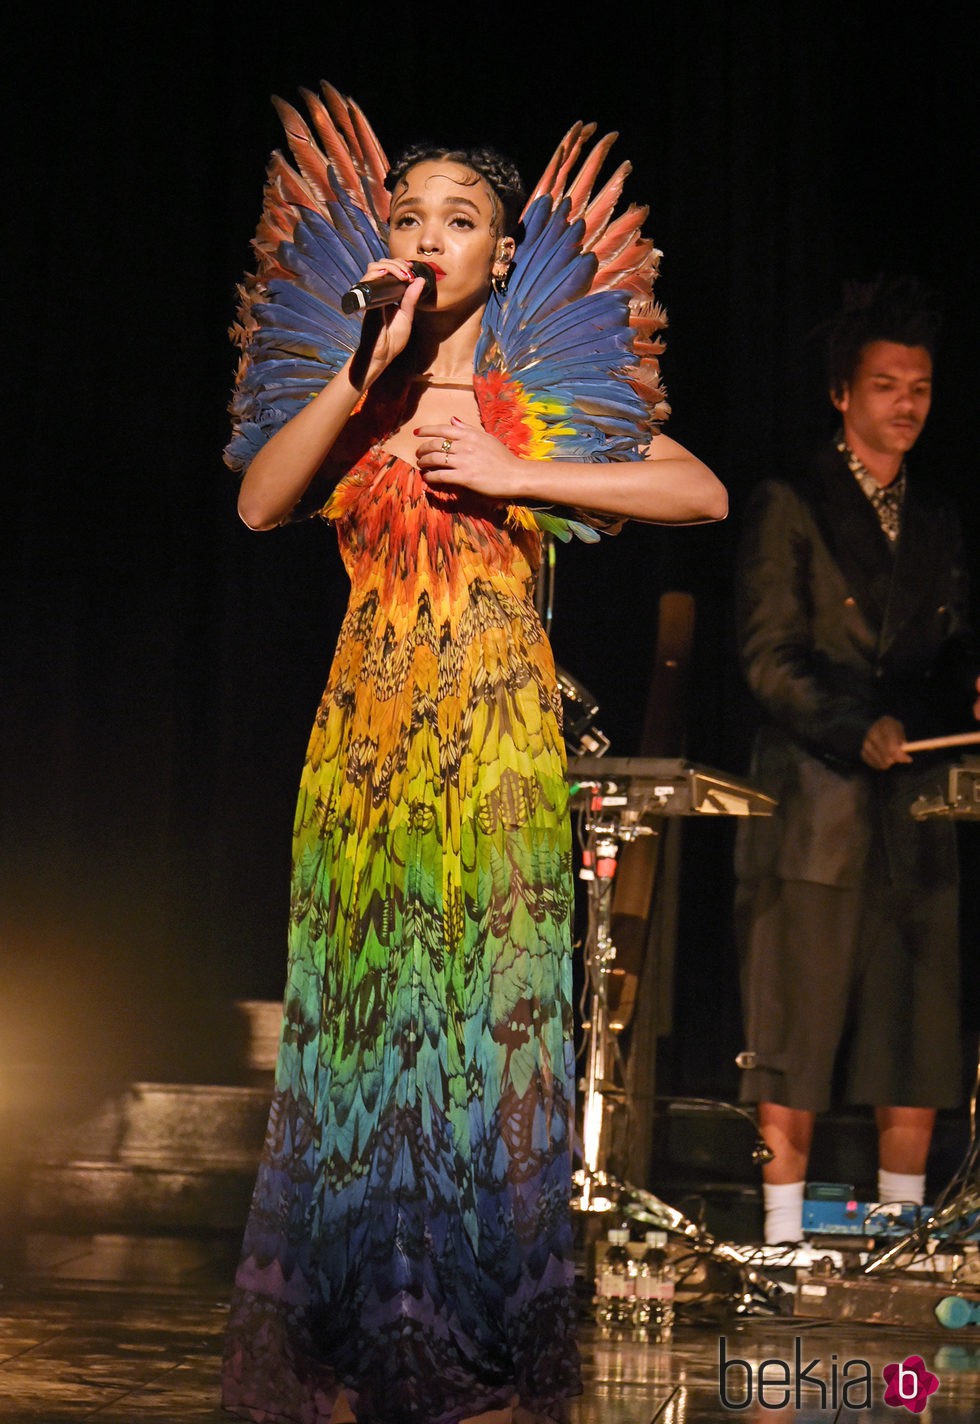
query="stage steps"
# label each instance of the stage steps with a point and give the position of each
(154, 1158)
(164, 1155)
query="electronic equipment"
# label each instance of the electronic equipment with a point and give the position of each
(962, 799)
(630, 790)
(875, 1219)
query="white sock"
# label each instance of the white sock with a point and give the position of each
(901, 1187)
(783, 1205)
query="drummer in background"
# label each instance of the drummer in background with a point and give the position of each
(853, 635)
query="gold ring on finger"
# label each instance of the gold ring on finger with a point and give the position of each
(446, 446)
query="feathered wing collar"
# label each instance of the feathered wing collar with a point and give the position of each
(566, 366)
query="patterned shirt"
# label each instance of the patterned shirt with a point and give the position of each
(886, 501)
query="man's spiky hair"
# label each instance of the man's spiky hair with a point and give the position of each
(895, 309)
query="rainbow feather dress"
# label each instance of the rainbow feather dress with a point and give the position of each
(410, 1234)
(409, 1241)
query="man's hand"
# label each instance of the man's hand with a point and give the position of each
(882, 746)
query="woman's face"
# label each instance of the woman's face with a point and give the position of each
(442, 213)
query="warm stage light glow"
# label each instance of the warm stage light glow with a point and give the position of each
(591, 1131)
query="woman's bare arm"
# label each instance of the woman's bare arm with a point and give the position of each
(669, 486)
(282, 471)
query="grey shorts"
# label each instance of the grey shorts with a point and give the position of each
(858, 983)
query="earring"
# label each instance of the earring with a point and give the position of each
(500, 276)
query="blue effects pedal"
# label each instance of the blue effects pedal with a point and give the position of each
(828, 1216)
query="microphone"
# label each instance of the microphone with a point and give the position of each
(382, 291)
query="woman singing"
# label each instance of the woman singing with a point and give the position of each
(408, 1256)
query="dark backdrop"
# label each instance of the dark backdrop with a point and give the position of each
(162, 665)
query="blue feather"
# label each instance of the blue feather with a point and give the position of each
(301, 336)
(568, 346)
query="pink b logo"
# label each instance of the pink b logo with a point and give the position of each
(909, 1384)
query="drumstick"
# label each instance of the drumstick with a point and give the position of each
(962, 739)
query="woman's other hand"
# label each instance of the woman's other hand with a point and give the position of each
(466, 457)
(668, 485)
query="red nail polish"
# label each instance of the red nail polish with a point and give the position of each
(417, 432)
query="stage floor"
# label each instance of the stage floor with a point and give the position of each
(118, 1331)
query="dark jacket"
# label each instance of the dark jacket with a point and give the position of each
(835, 629)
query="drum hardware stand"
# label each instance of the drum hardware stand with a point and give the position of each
(602, 1056)
(617, 802)
(965, 1204)
(754, 1292)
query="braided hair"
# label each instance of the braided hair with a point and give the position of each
(498, 172)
